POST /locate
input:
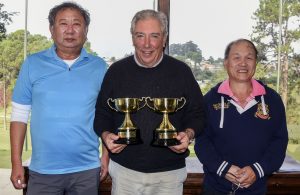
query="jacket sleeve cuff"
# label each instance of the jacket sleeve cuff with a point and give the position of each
(223, 168)
(258, 170)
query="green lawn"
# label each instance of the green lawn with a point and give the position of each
(192, 152)
(5, 144)
(294, 151)
(294, 132)
(5, 141)
(5, 158)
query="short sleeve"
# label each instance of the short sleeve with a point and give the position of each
(22, 93)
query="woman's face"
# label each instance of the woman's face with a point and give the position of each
(241, 62)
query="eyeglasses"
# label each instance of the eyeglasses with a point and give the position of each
(234, 188)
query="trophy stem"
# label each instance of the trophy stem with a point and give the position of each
(128, 133)
(127, 124)
(165, 134)
(165, 124)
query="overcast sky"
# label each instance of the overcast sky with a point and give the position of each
(211, 24)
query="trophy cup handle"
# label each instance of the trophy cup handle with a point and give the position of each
(148, 104)
(182, 99)
(108, 102)
(141, 100)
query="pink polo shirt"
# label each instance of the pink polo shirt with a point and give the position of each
(258, 90)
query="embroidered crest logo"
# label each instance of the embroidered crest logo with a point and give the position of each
(260, 114)
(218, 106)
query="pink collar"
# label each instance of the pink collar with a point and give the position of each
(258, 90)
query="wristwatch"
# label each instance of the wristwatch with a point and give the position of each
(190, 134)
(191, 141)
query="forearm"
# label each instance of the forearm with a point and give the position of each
(104, 151)
(17, 136)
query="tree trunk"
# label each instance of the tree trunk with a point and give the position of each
(4, 103)
(284, 80)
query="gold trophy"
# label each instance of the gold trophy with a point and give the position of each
(165, 134)
(128, 133)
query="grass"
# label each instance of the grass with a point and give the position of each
(294, 151)
(192, 152)
(294, 131)
(5, 143)
(5, 158)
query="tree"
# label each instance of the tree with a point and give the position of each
(215, 78)
(188, 50)
(87, 46)
(190, 53)
(5, 19)
(211, 59)
(12, 56)
(176, 49)
(266, 33)
(293, 113)
(113, 59)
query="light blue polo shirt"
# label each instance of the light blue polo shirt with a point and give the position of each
(63, 102)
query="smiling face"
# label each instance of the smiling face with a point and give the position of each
(148, 40)
(241, 62)
(69, 31)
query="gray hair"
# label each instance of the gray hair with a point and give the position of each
(148, 13)
(229, 46)
(66, 5)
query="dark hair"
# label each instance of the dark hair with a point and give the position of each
(229, 46)
(148, 13)
(72, 5)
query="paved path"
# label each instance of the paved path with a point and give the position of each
(6, 188)
(193, 165)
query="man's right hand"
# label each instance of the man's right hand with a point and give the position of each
(109, 139)
(17, 177)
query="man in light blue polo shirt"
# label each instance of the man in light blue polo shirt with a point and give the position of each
(59, 86)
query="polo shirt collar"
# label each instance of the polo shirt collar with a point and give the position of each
(52, 53)
(258, 90)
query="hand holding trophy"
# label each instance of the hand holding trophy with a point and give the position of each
(166, 133)
(128, 133)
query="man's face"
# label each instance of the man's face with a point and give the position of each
(69, 30)
(148, 40)
(241, 62)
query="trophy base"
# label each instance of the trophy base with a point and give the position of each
(165, 142)
(165, 138)
(129, 137)
(128, 141)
